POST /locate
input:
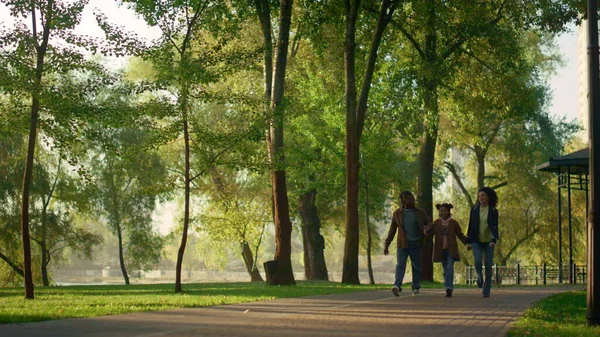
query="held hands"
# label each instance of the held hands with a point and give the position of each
(426, 230)
(469, 247)
(492, 244)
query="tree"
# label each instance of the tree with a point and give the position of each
(440, 32)
(279, 272)
(530, 193)
(127, 196)
(187, 58)
(356, 108)
(513, 135)
(237, 211)
(315, 127)
(508, 93)
(32, 59)
(56, 198)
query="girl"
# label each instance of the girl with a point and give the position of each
(445, 249)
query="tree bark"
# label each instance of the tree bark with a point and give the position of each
(186, 211)
(351, 243)
(249, 262)
(121, 257)
(46, 255)
(45, 260)
(425, 197)
(355, 120)
(429, 142)
(28, 174)
(314, 243)
(280, 273)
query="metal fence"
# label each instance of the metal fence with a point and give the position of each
(529, 275)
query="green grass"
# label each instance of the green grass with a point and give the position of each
(85, 301)
(556, 316)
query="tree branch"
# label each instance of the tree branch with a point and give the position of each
(385, 16)
(502, 184)
(517, 244)
(215, 157)
(461, 40)
(462, 187)
(11, 264)
(494, 133)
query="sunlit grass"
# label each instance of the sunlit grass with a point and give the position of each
(556, 316)
(85, 301)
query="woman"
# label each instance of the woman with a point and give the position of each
(483, 234)
(445, 249)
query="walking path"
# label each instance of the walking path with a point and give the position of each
(374, 313)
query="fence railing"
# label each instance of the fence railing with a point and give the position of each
(529, 275)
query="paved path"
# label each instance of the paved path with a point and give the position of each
(375, 313)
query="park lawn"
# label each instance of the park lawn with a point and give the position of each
(560, 315)
(85, 301)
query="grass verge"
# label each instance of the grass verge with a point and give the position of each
(86, 301)
(560, 315)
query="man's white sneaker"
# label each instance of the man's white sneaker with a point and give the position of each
(396, 291)
(415, 292)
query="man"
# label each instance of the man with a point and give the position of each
(409, 221)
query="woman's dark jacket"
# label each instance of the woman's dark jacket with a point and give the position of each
(473, 230)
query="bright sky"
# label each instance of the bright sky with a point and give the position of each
(116, 14)
(565, 84)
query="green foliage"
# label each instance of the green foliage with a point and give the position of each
(56, 198)
(70, 81)
(127, 195)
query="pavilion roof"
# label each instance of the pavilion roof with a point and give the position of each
(577, 162)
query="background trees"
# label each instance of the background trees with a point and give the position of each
(188, 116)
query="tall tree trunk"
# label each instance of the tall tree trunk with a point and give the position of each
(28, 174)
(249, 262)
(427, 153)
(351, 242)
(425, 177)
(314, 243)
(351, 245)
(27, 181)
(425, 197)
(279, 271)
(121, 256)
(186, 211)
(355, 119)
